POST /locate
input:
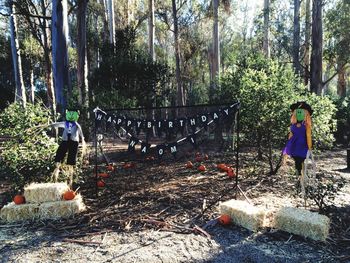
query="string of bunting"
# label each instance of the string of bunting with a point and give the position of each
(131, 126)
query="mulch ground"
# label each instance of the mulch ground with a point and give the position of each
(167, 196)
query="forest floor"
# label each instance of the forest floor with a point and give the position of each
(155, 212)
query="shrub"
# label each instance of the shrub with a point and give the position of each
(28, 155)
(266, 89)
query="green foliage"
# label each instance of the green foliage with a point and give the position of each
(28, 154)
(266, 89)
(127, 77)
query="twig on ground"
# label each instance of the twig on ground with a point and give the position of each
(81, 241)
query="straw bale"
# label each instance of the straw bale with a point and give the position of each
(44, 192)
(59, 209)
(244, 214)
(12, 212)
(302, 222)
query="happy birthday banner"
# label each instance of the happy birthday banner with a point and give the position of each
(133, 127)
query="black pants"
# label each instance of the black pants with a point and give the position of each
(298, 163)
(71, 147)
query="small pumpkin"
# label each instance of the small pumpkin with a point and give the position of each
(221, 167)
(101, 183)
(202, 168)
(19, 199)
(189, 165)
(230, 172)
(224, 219)
(69, 195)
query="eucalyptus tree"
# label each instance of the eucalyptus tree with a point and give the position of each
(20, 95)
(316, 82)
(60, 52)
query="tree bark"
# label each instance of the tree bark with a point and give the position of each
(111, 22)
(266, 43)
(151, 29)
(216, 46)
(32, 86)
(180, 90)
(82, 68)
(296, 37)
(307, 42)
(317, 42)
(341, 85)
(60, 52)
(20, 95)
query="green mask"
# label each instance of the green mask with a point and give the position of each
(300, 114)
(72, 115)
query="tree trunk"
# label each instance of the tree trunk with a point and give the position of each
(105, 20)
(307, 42)
(216, 47)
(296, 37)
(266, 43)
(82, 68)
(341, 85)
(32, 86)
(151, 30)
(45, 39)
(20, 95)
(60, 52)
(111, 22)
(180, 91)
(317, 42)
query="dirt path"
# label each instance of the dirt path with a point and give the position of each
(44, 243)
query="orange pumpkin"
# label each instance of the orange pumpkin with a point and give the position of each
(225, 219)
(202, 168)
(189, 165)
(101, 183)
(221, 167)
(230, 172)
(19, 199)
(69, 195)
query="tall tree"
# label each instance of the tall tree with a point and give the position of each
(296, 37)
(20, 95)
(307, 42)
(60, 52)
(316, 83)
(151, 29)
(82, 67)
(111, 21)
(266, 42)
(180, 89)
(215, 68)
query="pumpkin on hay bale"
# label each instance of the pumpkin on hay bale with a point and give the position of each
(19, 199)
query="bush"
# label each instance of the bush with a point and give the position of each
(28, 155)
(343, 120)
(266, 89)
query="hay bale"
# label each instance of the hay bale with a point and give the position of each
(302, 222)
(59, 209)
(244, 214)
(12, 212)
(44, 192)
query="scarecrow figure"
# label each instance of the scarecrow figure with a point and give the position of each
(70, 143)
(299, 137)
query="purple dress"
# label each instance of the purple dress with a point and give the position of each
(297, 144)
